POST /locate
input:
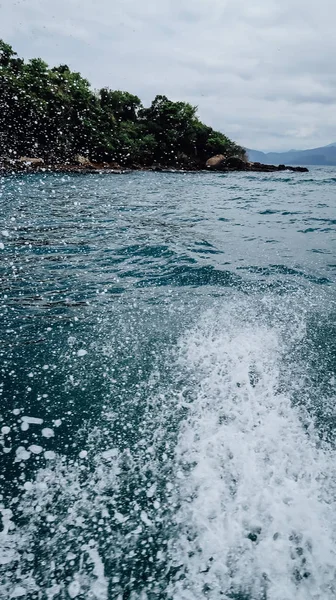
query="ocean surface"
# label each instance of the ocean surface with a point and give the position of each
(167, 350)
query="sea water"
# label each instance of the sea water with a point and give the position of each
(168, 386)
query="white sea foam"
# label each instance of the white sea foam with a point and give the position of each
(48, 432)
(243, 506)
(81, 352)
(32, 420)
(35, 449)
(257, 511)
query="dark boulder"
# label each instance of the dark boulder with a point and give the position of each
(236, 163)
(299, 169)
(271, 168)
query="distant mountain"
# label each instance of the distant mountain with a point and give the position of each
(324, 156)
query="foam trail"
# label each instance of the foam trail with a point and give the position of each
(257, 516)
(224, 491)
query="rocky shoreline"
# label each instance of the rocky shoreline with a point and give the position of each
(82, 165)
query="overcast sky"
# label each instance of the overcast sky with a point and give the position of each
(261, 71)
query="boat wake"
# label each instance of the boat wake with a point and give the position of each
(225, 490)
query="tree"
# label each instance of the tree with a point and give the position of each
(55, 114)
(122, 105)
(6, 54)
(172, 124)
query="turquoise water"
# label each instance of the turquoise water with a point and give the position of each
(168, 386)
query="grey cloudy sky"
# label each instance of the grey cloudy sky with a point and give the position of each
(261, 71)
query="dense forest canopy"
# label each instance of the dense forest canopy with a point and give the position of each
(53, 113)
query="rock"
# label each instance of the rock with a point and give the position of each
(236, 164)
(31, 161)
(113, 165)
(82, 160)
(232, 163)
(256, 166)
(298, 169)
(215, 162)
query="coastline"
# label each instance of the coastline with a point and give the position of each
(38, 166)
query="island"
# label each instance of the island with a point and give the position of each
(52, 120)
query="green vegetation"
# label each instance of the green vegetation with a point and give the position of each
(54, 114)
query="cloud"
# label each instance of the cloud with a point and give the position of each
(262, 72)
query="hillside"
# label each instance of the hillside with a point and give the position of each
(53, 114)
(324, 156)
